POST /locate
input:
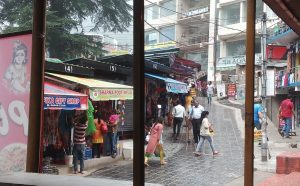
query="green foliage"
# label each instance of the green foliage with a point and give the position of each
(66, 16)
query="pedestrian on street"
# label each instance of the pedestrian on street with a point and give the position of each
(112, 133)
(206, 132)
(286, 112)
(79, 142)
(210, 92)
(155, 142)
(97, 136)
(258, 113)
(195, 116)
(179, 114)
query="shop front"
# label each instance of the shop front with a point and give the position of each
(107, 98)
(160, 91)
(60, 107)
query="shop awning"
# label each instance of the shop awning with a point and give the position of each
(171, 84)
(101, 90)
(56, 97)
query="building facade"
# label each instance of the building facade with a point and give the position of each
(179, 23)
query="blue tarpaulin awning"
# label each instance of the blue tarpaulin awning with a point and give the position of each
(172, 85)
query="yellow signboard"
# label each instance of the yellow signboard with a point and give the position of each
(161, 45)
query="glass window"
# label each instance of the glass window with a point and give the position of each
(151, 13)
(231, 14)
(168, 8)
(236, 48)
(167, 31)
(150, 37)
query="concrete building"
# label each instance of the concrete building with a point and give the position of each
(179, 23)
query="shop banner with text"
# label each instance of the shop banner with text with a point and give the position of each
(97, 94)
(15, 61)
(61, 102)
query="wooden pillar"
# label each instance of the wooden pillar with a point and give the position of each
(249, 103)
(36, 85)
(138, 102)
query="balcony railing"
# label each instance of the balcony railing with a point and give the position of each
(278, 29)
(191, 40)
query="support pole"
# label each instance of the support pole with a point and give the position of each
(36, 85)
(138, 102)
(264, 143)
(249, 127)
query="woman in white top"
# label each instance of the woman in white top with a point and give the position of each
(205, 134)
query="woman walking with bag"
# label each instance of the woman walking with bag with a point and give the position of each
(206, 132)
(155, 141)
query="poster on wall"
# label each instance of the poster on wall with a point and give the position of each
(231, 90)
(221, 91)
(270, 84)
(15, 59)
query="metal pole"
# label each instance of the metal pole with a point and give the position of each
(249, 102)
(138, 82)
(36, 85)
(264, 143)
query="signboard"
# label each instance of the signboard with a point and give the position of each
(221, 90)
(62, 102)
(164, 45)
(97, 94)
(270, 84)
(176, 88)
(196, 12)
(233, 60)
(231, 90)
(15, 55)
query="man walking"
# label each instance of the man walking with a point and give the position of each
(178, 113)
(210, 92)
(195, 115)
(286, 112)
(79, 142)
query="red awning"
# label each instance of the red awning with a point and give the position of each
(56, 97)
(186, 62)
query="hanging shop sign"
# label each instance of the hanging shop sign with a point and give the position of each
(196, 12)
(61, 102)
(176, 88)
(97, 94)
(15, 55)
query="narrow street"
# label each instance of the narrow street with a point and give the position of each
(183, 167)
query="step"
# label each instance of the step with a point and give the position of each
(288, 162)
(292, 179)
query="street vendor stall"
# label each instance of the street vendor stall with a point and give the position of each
(107, 98)
(60, 107)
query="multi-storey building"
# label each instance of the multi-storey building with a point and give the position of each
(179, 23)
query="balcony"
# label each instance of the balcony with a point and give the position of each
(281, 33)
(193, 42)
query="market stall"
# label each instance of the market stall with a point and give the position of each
(60, 107)
(106, 97)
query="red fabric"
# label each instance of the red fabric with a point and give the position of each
(286, 108)
(155, 135)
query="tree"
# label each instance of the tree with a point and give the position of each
(66, 16)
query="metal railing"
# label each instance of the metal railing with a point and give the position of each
(278, 29)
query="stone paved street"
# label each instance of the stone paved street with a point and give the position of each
(183, 167)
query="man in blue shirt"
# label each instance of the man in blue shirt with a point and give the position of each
(258, 113)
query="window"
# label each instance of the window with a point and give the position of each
(236, 48)
(167, 31)
(151, 13)
(231, 14)
(168, 8)
(150, 37)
